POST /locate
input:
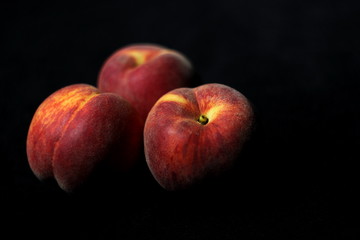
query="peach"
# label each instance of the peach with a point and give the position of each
(194, 134)
(142, 73)
(75, 129)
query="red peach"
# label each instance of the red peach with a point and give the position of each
(142, 73)
(193, 134)
(75, 129)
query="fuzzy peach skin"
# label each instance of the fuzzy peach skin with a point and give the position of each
(142, 73)
(75, 129)
(193, 134)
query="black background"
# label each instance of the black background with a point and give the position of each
(298, 63)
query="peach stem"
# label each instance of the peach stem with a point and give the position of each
(203, 120)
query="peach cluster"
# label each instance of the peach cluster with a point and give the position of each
(142, 103)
